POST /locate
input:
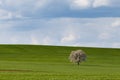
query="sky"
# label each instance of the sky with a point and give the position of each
(87, 23)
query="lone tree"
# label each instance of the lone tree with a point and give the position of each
(77, 56)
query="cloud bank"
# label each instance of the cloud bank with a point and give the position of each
(11, 9)
(101, 32)
(60, 22)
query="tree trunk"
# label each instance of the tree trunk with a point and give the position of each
(78, 63)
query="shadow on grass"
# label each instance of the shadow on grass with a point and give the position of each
(10, 70)
(92, 65)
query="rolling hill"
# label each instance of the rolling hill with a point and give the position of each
(38, 62)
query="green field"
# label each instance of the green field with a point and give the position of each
(33, 62)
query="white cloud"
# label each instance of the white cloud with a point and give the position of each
(85, 4)
(104, 36)
(99, 3)
(0, 3)
(92, 44)
(19, 16)
(41, 40)
(116, 45)
(5, 14)
(34, 40)
(14, 40)
(18, 4)
(40, 4)
(116, 23)
(10, 9)
(26, 5)
(45, 8)
(62, 31)
(47, 40)
(5, 25)
(68, 38)
(14, 2)
(80, 4)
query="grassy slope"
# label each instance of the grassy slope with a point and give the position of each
(27, 62)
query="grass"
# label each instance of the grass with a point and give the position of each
(28, 62)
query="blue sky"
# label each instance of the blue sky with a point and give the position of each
(94, 23)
